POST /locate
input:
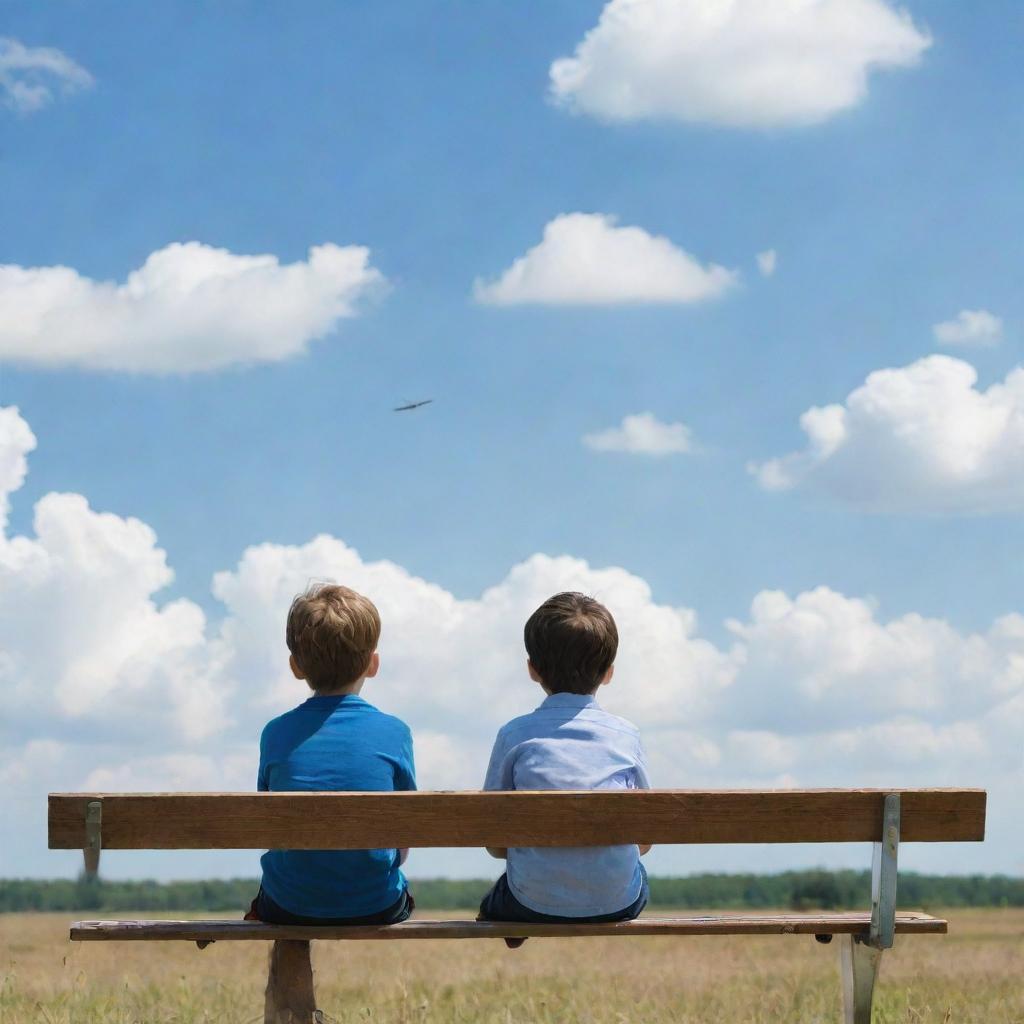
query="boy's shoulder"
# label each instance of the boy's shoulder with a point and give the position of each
(291, 719)
(609, 722)
(519, 724)
(281, 721)
(383, 720)
(620, 723)
(533, 723)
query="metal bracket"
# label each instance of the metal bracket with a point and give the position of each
(93, 837)
(858, 967)
(883, 877)
(93, 825)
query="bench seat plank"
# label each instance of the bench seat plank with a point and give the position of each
(737, 924)
(359, 821)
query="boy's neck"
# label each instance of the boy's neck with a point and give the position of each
(558, 693)
(349, 690)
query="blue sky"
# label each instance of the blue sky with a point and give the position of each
(425, 132)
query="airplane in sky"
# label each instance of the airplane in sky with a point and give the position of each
(411, 405)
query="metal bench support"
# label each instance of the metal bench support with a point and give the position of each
(883, 877)
(858, 964)
(861, 956)
(93, 837)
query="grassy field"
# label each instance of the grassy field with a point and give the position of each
(976, 973)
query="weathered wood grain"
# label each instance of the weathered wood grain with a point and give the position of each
(343, 821)
(728, 924)
(290, 998)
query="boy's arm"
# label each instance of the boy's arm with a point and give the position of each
(262, 775)
(641, 781)
(498, 778)
(406, 780)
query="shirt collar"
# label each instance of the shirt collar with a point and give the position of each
(569, 700)
(320, 700)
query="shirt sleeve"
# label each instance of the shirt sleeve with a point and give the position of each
(263, 774)
(499, 769)
(640, 779)
(405, 773)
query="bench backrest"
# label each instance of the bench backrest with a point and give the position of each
(343, 821)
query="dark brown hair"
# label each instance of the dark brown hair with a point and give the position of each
(571, 640)
(332, 633)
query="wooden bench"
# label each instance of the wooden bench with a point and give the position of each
(344, 821)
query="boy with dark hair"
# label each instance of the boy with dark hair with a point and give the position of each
(569, 742)
(334, 741)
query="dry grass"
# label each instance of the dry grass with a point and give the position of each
(975, 974)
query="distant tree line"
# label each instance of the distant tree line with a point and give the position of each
(798, 890)
(833, 890)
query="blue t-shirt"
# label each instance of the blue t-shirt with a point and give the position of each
(335, 743)
(569, 742)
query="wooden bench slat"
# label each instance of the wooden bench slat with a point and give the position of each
(320, 821)
(739, 924)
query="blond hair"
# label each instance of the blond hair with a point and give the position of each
(332, 633)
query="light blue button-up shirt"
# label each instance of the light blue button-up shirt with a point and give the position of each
(569, 742)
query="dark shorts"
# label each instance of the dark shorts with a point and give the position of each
(500, 905)
(265, 909)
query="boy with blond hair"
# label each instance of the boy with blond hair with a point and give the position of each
(334, 741)
(569, 742)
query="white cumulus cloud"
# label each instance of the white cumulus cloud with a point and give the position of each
(643, 434)
(586, 259)
(30, 74)
(743, 63)
(922, 438)
(16, 441)
(188, 308)
(458, 643)
(188, 772)
(81, 637)
(970, 327)
(822, 659)
(104, 687)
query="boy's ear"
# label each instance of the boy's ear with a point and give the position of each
(534, 674)
(294, 666)
(608, 675)
(374, 667)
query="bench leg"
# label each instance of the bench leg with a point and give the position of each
(858, 965)
(290, 998)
